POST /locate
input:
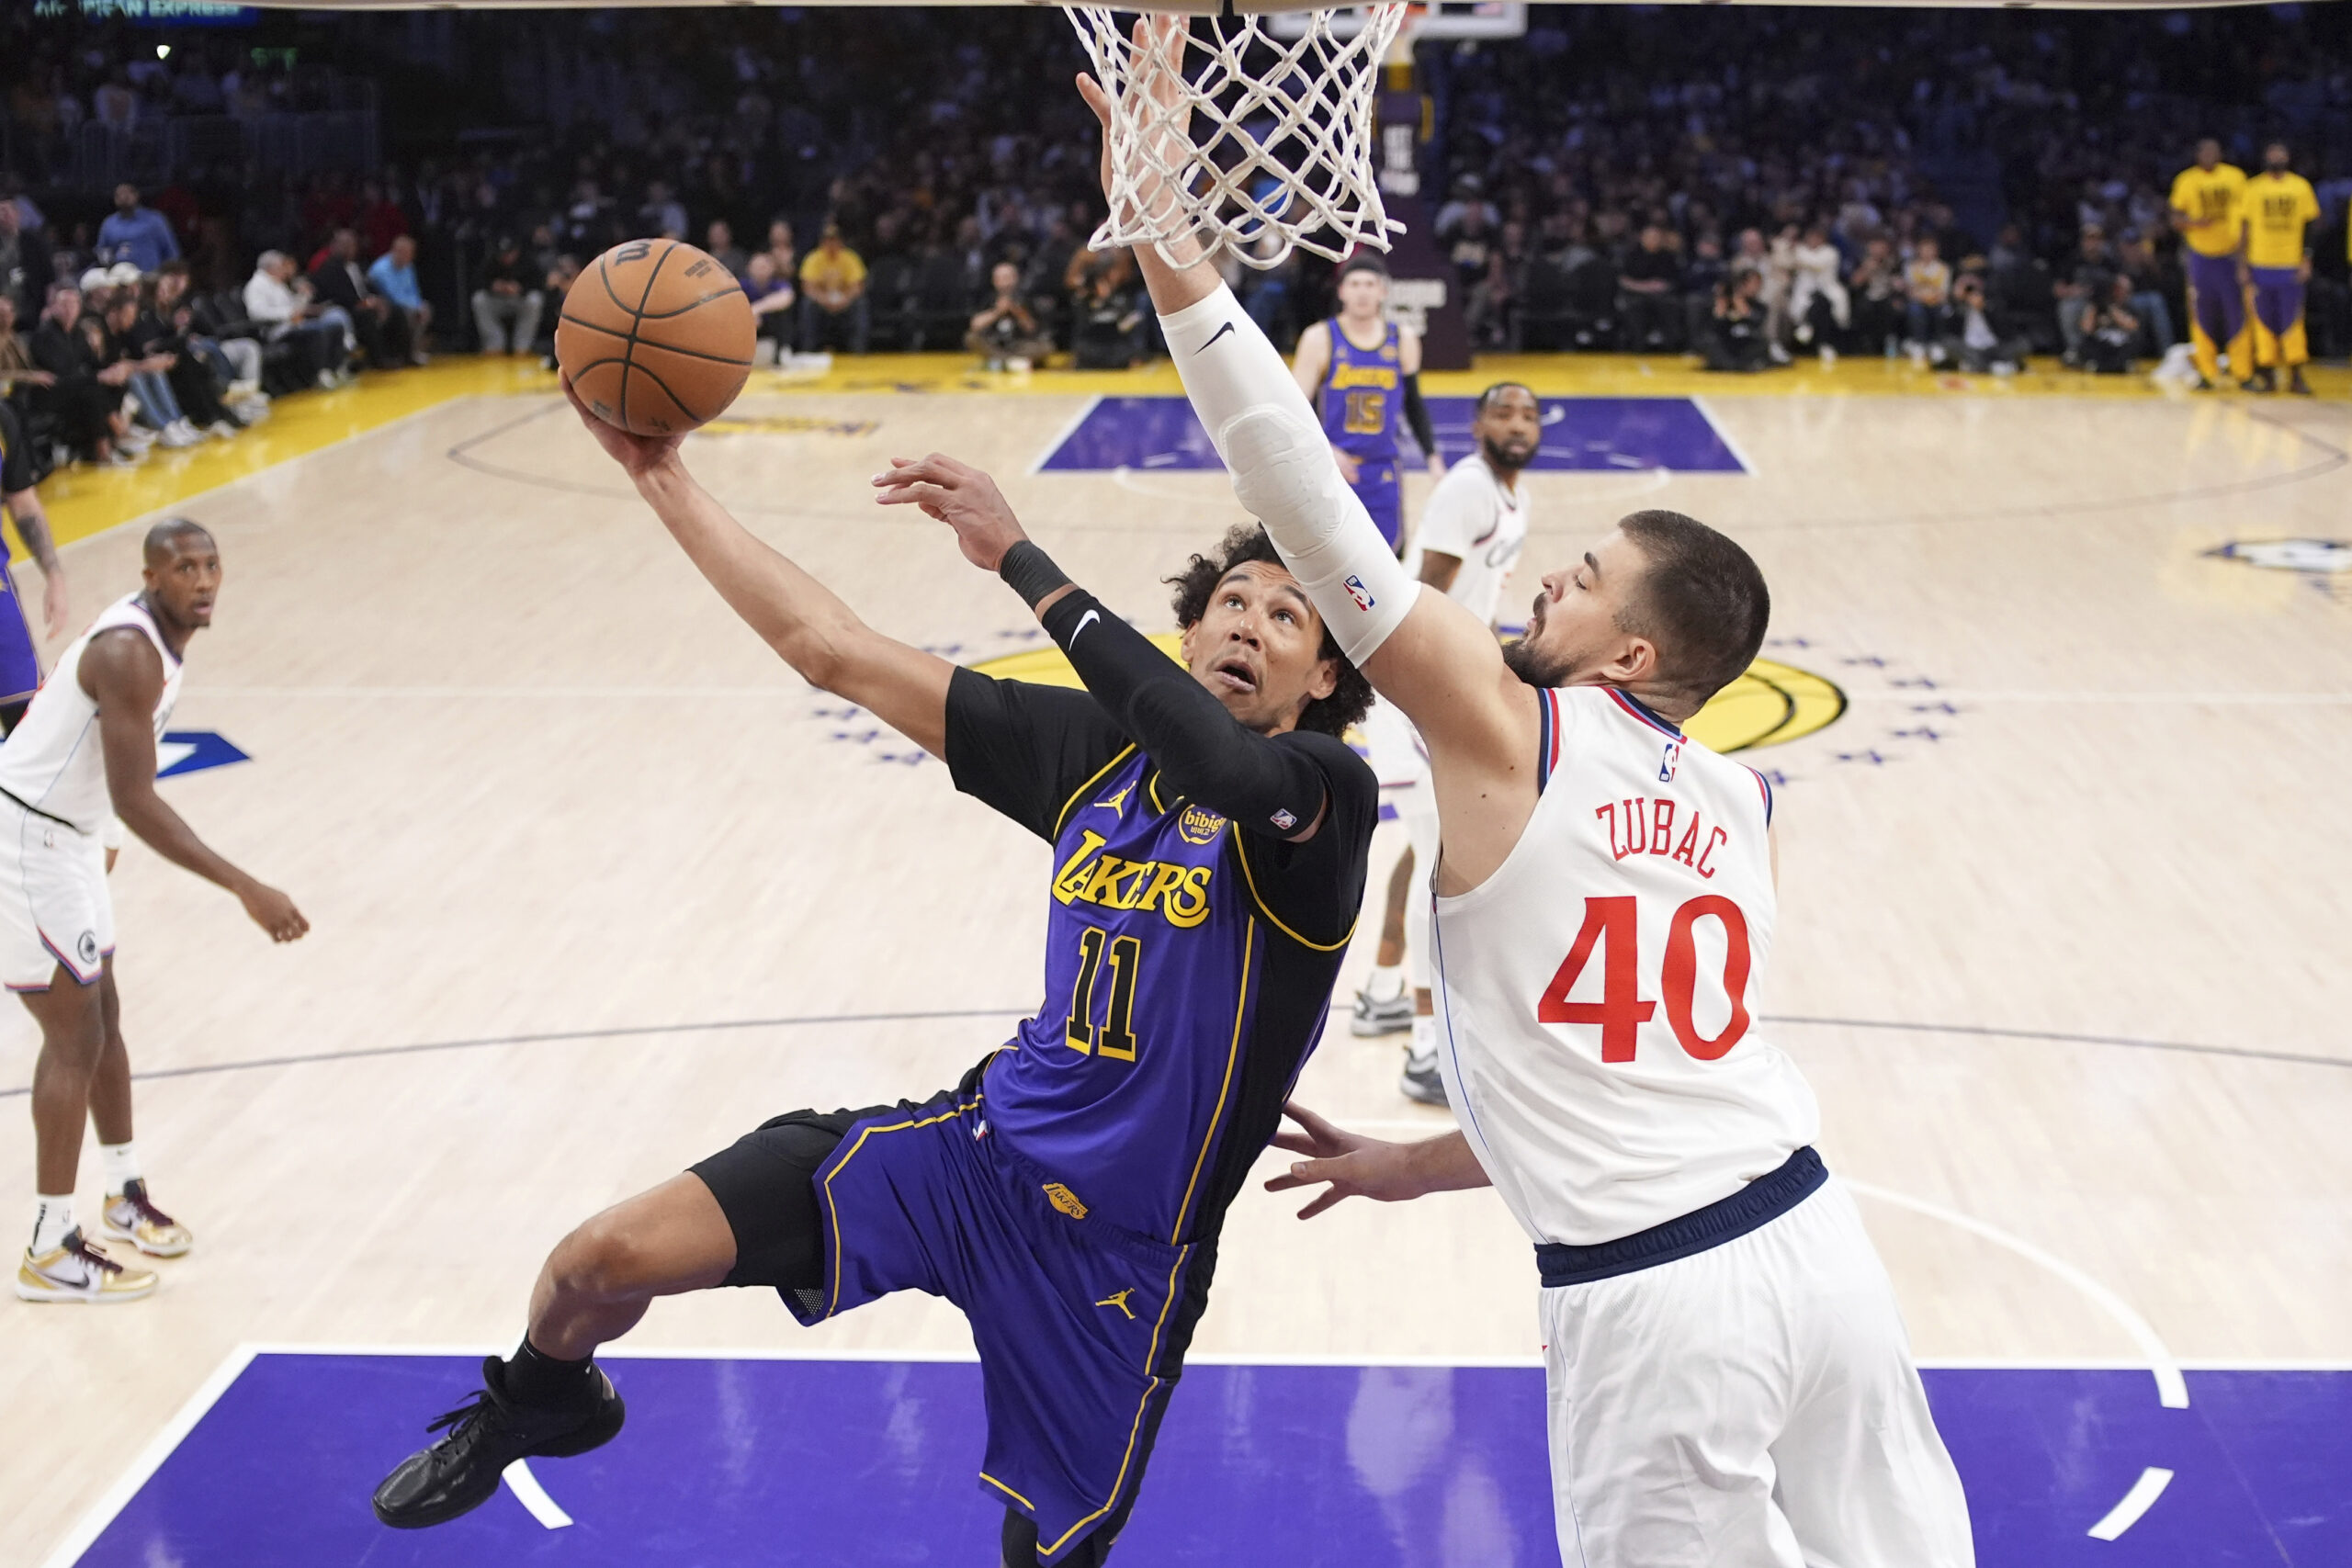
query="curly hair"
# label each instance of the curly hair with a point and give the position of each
(1245, 542)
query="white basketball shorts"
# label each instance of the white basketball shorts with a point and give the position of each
(55, 910)
(1753, 1406)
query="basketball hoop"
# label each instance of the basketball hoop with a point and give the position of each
(1267, 147)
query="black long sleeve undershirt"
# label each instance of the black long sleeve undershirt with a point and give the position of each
(1272, 785)
(1417, 416)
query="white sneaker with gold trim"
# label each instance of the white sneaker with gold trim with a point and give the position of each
(76, 1271)
(129, 1216)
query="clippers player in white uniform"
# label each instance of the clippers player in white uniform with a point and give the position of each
(1469, 539)
(1731, 1384)
(84, 753)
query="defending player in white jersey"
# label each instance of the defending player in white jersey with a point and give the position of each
(84, 753)
(1731, 1384)
(1471, 534)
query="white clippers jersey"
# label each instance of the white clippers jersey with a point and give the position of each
(52, 763)
(1472, 517)
(1596, 995)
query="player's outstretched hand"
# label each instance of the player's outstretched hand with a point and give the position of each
(634, 453)
(1354, 1165)
(960, 496)
(1158, 73)
(274, 912)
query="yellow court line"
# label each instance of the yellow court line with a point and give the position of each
(81, 501)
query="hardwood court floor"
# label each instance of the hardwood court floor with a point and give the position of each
(596, 883)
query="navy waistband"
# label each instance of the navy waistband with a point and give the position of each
(1759, 1203)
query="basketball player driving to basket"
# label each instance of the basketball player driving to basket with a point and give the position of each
(1209, 833)
(1730, 1381)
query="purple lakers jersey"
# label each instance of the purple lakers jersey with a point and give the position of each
(1364, 396)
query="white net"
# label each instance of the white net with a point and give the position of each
(1240, 140)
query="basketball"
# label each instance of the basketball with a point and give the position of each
(656, 336)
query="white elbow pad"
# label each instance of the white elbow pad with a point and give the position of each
(1283, 472)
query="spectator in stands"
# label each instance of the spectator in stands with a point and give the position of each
(1927, 285)
(2084, 290)
(719, 239)
(1735, 338)
(19, 377)
(392, 276)
(1819, 308)
(662, 213)
(1649, 294)
(1005, 331)
(1970, 342)
(1107, 324)
(235, 362)
(141, 324)
(2136, 260)
(833, 306)
(380, 219)
(338, 283)
(771, 300)
(506, 306)
(84, 397)
(781, 249)
(136, 235)
(1876, 284)
(557, 281)
(24, 260)
(153, 402)
(2110, 329)
(283, 306)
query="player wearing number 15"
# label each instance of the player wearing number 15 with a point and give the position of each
(1363, 372)
(1731, 1385)
(1209, 832)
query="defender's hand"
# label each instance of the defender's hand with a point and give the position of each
(1157, 70)
(635, 454)
(960, 496)
(274, 912)
(1354, 1166)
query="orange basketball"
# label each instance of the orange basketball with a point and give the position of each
(656, 336)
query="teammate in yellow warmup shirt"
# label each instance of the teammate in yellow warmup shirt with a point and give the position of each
(2278, 204)
(2207, 204)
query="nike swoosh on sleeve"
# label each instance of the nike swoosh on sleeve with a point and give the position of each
(1214, 336)
(1083, 621)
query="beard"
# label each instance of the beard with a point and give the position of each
(1535, 666)
(1501, 460)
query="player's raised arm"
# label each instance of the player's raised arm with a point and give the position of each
(803, 620)
(1423, 652)
(124, 675)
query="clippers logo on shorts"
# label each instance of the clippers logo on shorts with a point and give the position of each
(1358, 592)
(1671, 760)
(87, 946)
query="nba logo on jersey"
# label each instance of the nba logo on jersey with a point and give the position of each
(1671, 760)
(1358, 592)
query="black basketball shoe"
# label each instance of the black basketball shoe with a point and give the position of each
(460, 1470)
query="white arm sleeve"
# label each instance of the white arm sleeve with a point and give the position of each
(1283, 472)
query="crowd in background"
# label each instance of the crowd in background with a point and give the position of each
(1965, 187)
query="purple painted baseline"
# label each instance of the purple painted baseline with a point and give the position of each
(1606, 435)
(830, 1464)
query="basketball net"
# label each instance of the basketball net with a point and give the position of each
(1266, 146)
